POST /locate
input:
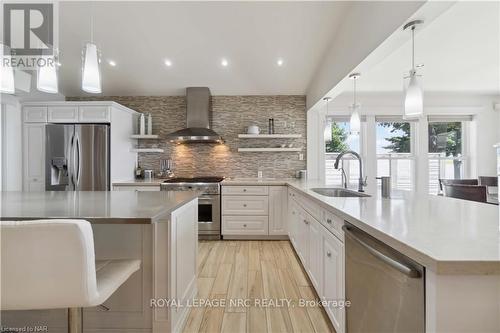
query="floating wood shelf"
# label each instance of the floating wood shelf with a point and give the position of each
(147, 150)
(269, 136)
(269, 149)
(144, 136)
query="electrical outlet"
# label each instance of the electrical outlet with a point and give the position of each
(259, 174)
(301, 157)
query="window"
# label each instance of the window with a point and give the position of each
(395, 157)
(338, 139)
(446, 155)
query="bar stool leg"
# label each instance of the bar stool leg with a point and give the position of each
(75, 320)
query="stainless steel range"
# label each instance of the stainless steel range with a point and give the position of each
(209, 217)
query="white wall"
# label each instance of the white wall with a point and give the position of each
(364, 28)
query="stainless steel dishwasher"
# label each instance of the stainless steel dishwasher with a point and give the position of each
(386, 289)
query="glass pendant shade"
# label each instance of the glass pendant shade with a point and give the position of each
(47, 77)
(355, 122)
(6, 71)
(414, 99)
(327, 134)
(91, 75)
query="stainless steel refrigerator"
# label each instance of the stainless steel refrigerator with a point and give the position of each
(77, 157)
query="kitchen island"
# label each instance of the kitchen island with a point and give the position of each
(158, 228)
(456, 241)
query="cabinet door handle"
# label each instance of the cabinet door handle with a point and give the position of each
(329, 221)
(306, 222)
(328, 254)
(244, 225)
(244, 190)
(244, 205)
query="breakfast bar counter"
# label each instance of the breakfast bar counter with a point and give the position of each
(160, 229)
(104, 207)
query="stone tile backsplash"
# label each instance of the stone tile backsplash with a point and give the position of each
(231, 116)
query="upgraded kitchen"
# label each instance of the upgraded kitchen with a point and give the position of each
(253, 167)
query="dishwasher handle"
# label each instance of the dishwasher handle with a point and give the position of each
(406, 270)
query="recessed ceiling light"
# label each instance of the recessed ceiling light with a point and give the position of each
(111, 63)
(168, 63)
(280, 62)
(224, 62)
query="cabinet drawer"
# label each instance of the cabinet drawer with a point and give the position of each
(94, 114)
(244, 225)
(62, 114)
(244, 205)
(245, 190)
(35, 114)
(308, 204)
(333, 223)
(135, 188)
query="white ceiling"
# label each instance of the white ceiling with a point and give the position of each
(195, 37)
(460, 50)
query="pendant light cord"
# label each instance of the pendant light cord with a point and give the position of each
(91, 23)
(413, 47)
(354, 102)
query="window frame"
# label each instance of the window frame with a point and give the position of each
(394, 157)
(465, 156)
(332, 156)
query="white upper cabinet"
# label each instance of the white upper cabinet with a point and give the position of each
(94, 114)
(63, 114)
(35, 114)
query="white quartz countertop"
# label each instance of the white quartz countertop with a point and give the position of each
(139, 182)
(256, 181)
(446, 235)
(114, 207)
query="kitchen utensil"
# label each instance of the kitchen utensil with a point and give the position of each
(301, 174)
(148, 174)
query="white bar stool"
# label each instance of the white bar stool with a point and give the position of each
(50, 264)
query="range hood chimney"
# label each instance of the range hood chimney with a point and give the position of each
(198, 119)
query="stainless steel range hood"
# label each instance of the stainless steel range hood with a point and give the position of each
(198, 119)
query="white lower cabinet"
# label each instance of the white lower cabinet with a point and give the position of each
(278, 210)
(332, 261)
(320, 248)
(244, 225)
(254, 211)
(293, 218)
(315, 251)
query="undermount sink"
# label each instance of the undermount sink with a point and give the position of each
(338, 192)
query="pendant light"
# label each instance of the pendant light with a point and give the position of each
(47, 76)
(327, 134)
(355, 122)
(6, 71)
(91, 74)
(414, 97)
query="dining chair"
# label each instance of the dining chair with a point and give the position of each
(50, 264)
(457, 182)
(488, 181)
(466, 192)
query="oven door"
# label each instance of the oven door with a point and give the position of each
(209, 215)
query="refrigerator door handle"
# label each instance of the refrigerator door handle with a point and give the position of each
(78, 166)
(71, 160)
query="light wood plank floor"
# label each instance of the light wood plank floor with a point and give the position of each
(253, 270)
